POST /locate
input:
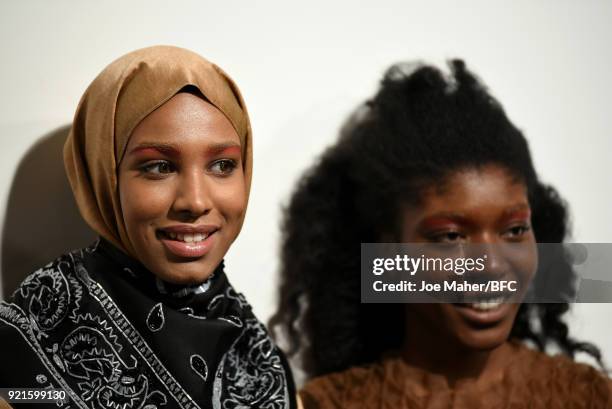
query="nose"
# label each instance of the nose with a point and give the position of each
(497, 255)
(193, 197)
(497, 263)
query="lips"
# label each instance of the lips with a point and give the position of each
(188, 241)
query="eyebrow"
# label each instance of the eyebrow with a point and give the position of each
(218, 148)
(523, 208)
(166, 149)
(442, 218)
(173, 150)
(439, 217)
(446, 215)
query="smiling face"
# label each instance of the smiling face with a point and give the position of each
(182, 189)
(485, 206)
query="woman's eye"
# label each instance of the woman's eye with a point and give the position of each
(517, 231)
(223, 167)
(448, 237)
(157, 168)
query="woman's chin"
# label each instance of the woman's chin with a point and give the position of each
(178, 269)
(184, 273)
(484, 339)
(483, 330)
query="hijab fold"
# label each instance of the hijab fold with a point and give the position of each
(121, 96)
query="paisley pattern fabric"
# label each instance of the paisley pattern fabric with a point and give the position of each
(95, 323)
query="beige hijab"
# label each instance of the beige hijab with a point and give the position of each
(119, 98)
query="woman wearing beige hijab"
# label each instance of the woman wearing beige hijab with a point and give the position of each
(159, 159)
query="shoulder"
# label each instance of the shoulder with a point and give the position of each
(39, 303)
(43, 296)
(341, 389)
(545, 381)
(559, 377)
(49, 275)
(60, 268)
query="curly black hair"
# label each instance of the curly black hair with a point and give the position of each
(419, 127)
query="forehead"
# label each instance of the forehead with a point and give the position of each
(475, 190)
(185, 119)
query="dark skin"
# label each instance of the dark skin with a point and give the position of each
(182, 167)
(485, 206)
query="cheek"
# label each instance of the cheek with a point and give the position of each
(231, 200)
(526, 263)
(142, 203)
(437, 316)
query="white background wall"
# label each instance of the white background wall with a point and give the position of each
(302, 68)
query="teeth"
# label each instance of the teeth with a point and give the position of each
(488, 304)
(188, 238)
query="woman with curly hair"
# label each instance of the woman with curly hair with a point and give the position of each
(434, 159)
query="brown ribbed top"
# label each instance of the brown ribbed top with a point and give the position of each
(533, 380)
